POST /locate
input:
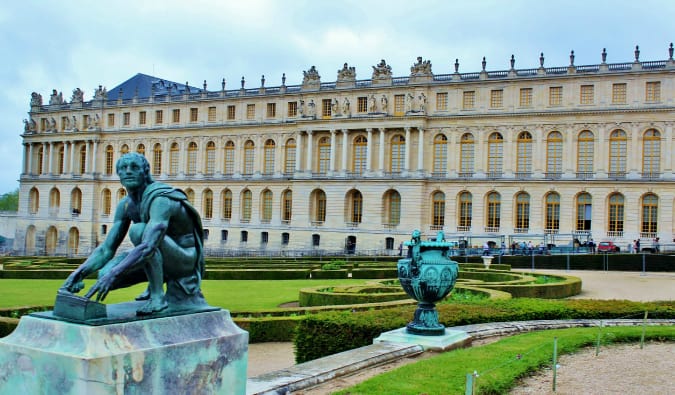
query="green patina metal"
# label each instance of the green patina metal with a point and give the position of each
(427, 275)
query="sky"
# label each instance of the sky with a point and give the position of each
(71, 44)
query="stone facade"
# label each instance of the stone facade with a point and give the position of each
(543, 154)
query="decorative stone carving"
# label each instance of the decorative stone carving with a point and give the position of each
(101, 93)
(301, 108)
(74, 124)
(311, 109)
(381, 71)
(56, 97)
(384, 104)
(78, 96)
(421, 68)
(372, 104)
(346, 111)
(29, 125)
(51, 124)
(346, 73)
(334, 107)
(311, 79)
(35, 99)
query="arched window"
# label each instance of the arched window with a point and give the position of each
(207, 202)
(246, 203)
(287, 206)
(585, 153)
(76, 201)
(650, 210)
(494, 208)
(440, 154)
(495, 155)
(618, 151)
(141, 149)
(397, 154)
(54, 201)
(121, 194)
(318, 207)
(289, 157)
(227, 205)
(324, 155)
(174, 155)
(109, 162)
(249, 157)
(73, 241)
(355, 207)
(524, 154)
(359, 156)
(269, 152)
(229, 158)
(60, 162)
(106, 201)
(554, 147)
(651, 153)
(392, 208)
(438, 210)
(210, 165)
(465, 211)
(30, 241)
(615, 215)
(190, 196)
(124, 149)
(191, 159)
(584, 212)
(552, 220)
(40, 158)
(522, 212)
(157, 159)
(83, 159)
(51, 240)
(33, 201)
(467, 155)
(266, 206)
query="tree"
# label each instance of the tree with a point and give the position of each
(10, 201)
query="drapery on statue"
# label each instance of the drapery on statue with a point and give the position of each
(168, 238)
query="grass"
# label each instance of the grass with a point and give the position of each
(234, 295)
(498, 364)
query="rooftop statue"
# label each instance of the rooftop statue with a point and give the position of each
(56, 97)
(35, 99)
(78, 96)
(167, 234)
(310, 75)
(381, 70)
(346, 73)
(421, 67)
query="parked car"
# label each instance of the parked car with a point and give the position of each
(607, 246)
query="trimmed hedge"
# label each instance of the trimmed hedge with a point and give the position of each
(269, 329)
(328, 296)
(257, 274)
(329, 274)
(366, 273)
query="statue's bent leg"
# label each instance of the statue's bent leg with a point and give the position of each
(154, 269)
(126, 279)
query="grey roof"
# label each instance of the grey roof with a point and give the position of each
(147, 85)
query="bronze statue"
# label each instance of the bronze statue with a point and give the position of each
(168, 238)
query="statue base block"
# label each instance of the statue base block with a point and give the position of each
(450, 340)
(201, 353)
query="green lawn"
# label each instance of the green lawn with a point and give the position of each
(234, 295)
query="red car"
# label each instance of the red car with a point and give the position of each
(608, 246)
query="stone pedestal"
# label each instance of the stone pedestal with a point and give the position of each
(487, 260)
(451, 339)
(199, 353)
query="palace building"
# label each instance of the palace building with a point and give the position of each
(547, 154)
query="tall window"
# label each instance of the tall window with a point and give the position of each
(651, 152)
(525, 97)
(356, 207)
(40, 158)
(227, 204)
(83, 159)
(269, 152)
(468, 100)
(362, 104)
(157, 159)
(194, 114)
(230, 112)
(266, 206)
(212, 114)
(121, 194)
(524, 153)
(106, 201)
(229, 158)
(584, 212)
(60, 160)
(495, 154)
(210, 165)
(76, 201)
(289, 157)
(359, 148)
(111, 120)
(73, 240)
(318, 206)
(271, 110)
(287, 206)
(653, 91)
(33, 201)
(159, 116)
(173, 159)
(392, 208)
(324, 155)
(587, 94)
(326, 108)
(397, 154)
(292, 108)
(175, 115)
(552, 221)
(465, 211)
(140, 149)
(55, 201)
(497, 98)
(207, 201)
(438, 207)
(109, 153)
(467, 154)
(522, 212)
(618, 150)
(585, 152)
(650, 206)
(192, 158)
(619, 93)
(126, 118)
(554, 146)
(615, 213)
(399, 105)
(124, 149)
(494, 208)
(555, 96)
(250, 111)
(441, 101)
(190, 196)
(440, 154)
(246, 203)
(249, 157)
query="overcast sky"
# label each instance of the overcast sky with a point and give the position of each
(65, 45)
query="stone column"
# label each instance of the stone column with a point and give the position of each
(369, 150)
(65, 157)
(420, 151)
(93, 157)
(406, 166)
(667, 142)
(308, 156)
(600, 150)
(50, 161)
(345, 148)
(44, 158)
(72, 157)
(298, 151)
(332, 151)
(182, 156)
(633, 164)
(381, 158)
(24, 167)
